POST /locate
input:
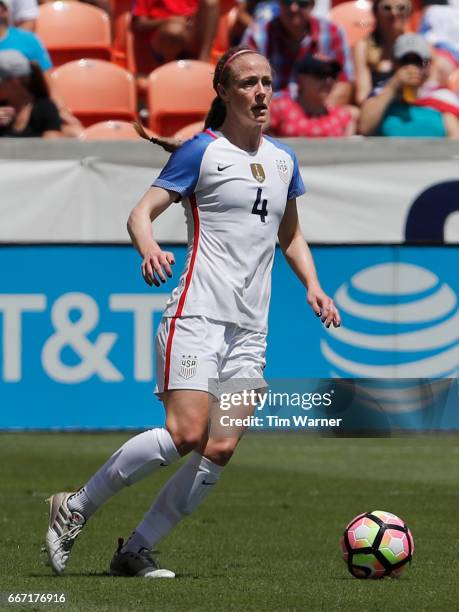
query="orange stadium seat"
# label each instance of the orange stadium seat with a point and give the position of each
(179, 93)
(73, 30)
(95, 90)
(190, 130)
(355, 17)
(111, 130)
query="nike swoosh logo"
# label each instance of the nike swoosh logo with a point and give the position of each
(221, 168)
(208, 483)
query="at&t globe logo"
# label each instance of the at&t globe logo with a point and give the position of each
(399, 321)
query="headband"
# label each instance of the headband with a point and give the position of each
(232, 57)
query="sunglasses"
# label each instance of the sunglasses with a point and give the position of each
(301, 3)
(410, 59)
(398, 9)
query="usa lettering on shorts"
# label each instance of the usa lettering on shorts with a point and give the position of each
(188, 366)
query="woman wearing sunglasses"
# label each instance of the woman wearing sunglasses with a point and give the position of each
(308, 113)
(373, 56)
(398, 107)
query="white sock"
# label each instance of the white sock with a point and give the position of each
(139, 456)
(80, 502)
(179, 497)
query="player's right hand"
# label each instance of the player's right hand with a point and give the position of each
(154, 266)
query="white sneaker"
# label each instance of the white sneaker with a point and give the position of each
(63, 529)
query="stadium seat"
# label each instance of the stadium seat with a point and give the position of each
(74, 30)
(190, 130)
(453, 81)
(94, 90)
(355, 17)
(111, 130)
(178, 94)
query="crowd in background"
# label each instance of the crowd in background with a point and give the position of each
(392, 83)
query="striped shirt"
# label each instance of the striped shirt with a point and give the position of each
(325, 37)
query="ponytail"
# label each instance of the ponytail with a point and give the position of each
(216, 115)
(168, 144)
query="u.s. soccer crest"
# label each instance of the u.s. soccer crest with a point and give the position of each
(282, 168)
(188, 366)
(258, 172)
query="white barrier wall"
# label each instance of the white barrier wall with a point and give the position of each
(359, 190)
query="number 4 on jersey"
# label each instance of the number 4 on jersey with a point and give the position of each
(263, 211)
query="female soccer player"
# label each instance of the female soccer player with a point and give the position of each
(239, 189)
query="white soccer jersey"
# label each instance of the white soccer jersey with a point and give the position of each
(234, 202)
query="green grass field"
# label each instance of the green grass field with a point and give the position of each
(267, 538)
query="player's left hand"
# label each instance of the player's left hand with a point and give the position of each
(324, 307)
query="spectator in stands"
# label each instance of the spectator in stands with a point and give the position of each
(440, 27)
(308, 114)
(249, 11)
(397, 108)
(295, 33)
(246, 15)
(178, 28)
(24, 14)
(29, 45)
(16, 38)
(26, 109)
(373, 55)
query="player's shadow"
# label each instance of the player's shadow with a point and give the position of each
(185, 576)
(73, 575)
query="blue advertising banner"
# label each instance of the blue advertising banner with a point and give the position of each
(77, 326)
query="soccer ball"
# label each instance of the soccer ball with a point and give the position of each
(376, 544)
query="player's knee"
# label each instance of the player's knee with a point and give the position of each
(220, 452)
(185, 441)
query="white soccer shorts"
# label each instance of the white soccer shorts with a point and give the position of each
(195, 352)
